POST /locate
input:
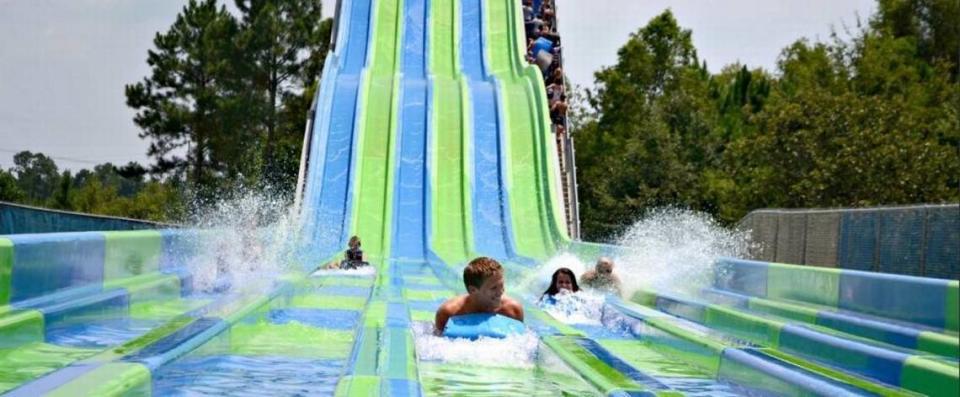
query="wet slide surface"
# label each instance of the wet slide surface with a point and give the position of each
(431, 142)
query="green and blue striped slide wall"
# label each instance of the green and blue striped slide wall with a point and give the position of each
(891, 329)
(62, 290)
(54, 287)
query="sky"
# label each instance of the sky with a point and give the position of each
(64, 63)
(752, 32)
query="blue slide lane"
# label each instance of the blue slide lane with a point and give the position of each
(491, 220)
(334, 133)
(411, 189)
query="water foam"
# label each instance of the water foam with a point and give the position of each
(514, 351)
(365, 271)
(583, 307)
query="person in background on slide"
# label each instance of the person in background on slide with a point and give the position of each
(601, 278)
(562, 282)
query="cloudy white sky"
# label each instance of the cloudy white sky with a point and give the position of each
(64, 63)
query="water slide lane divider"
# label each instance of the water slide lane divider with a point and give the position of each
(490, 220)
(410, 222)
(875, 329)
(374, 186)
(132, 363)
(765, 370)
(451, 238)
(337, 134)
(529, 210)
(383, 358)
(923, 301)
(601, 375)
(888, 366)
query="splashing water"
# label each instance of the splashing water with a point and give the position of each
(583, 307)
(515, 351)
(673, 250)
(365, 271)
(245, 242)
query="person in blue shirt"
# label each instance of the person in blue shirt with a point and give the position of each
(563, 281)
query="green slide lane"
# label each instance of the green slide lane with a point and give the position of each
(530, 159)
(449, 176)
(374, 187)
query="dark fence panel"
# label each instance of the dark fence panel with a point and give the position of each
(921, 240)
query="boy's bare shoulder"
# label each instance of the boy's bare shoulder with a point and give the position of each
(512, 308)
(452, 305)
(511, 303)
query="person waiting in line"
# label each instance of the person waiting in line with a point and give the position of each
(563, 282)
(601, 278)
(554, 90)
(483, 279)
(558, 110)
(554, 77)
(528, 16)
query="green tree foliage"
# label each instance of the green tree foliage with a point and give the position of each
(61, 198)
(653, 127)
(37, 175)
(193, 98)
(221, 86)
(930, 25)
(871, 120)
(106, 190)
(9, 188)
(282, 40)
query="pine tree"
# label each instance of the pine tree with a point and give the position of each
(189, 100)
(282, 41)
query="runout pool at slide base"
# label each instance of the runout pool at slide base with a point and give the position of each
(124, 317)
(430, 139)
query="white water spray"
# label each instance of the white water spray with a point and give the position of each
(244, 243)
(673, 250)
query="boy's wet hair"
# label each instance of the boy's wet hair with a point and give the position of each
(353, 239)
(479, 269)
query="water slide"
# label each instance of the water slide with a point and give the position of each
(430, 140)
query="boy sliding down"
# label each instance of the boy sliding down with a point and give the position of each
(483, 278)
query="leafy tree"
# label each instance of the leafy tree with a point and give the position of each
(9, 188)
(95, 198)
(651, 115)
(871, 120)
(932, 27)
(37, 175)
(61, 198)
(130, 178)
